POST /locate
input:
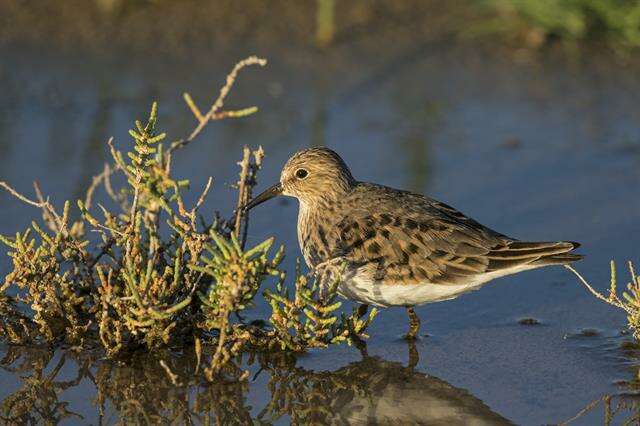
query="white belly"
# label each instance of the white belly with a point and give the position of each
(360, 288)
(386, 295)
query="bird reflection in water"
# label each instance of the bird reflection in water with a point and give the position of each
(373, 391)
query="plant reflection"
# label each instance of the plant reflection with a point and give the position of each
(38, 398)
(616, 409)
(622, 407)
(143, 391)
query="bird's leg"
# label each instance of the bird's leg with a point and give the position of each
(414, 355)
(362, 310)
(414, 324)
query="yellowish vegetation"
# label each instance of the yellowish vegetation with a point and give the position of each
(629, 301)
(156, 272)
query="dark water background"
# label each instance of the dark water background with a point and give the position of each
(541, 148)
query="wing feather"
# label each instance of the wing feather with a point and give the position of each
(406, 238)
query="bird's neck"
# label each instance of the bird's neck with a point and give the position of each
(315, 223)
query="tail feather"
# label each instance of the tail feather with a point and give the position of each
(521, 253)
(561, 259)
(526, 245)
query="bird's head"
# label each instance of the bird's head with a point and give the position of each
(310, 175)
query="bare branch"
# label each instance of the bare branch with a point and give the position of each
(248, 171)
(204, 194)
(593, 291)
(21, 197)
(214, 112)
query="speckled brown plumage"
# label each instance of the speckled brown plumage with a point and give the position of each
(399, 248)
(411, 239)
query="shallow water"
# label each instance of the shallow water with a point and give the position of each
(537, 149)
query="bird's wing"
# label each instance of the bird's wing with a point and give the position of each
(411, 239)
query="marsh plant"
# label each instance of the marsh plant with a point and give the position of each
(155, 271)
(628, 299)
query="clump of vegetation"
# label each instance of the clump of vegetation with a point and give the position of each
(308, 318)
(617, 22)
(159, 273)
(629, 301)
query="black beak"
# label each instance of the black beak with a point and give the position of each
(268, 194)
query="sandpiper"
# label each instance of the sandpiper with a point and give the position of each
(393, 247)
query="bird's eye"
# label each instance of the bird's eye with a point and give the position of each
(301, 173)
